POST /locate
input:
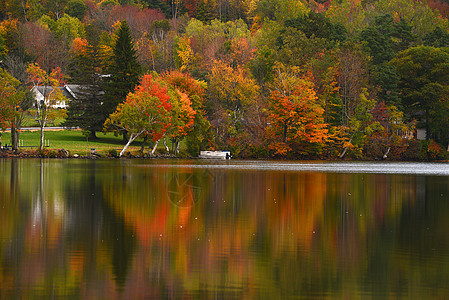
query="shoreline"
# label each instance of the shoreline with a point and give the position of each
(64, 154)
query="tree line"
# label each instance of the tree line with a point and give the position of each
(282, 78)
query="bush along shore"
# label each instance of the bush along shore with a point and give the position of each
(63, 153)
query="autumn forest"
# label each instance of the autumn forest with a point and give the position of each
(295, 79)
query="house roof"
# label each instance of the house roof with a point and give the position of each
(45, 90)
(72, 89)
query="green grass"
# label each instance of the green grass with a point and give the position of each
(30, 121)
(75, 142)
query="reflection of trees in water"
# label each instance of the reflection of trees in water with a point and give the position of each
(120, 238)
(185, 189)
(262, 233)
(94, 224)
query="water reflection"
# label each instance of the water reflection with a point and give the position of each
(149, 229)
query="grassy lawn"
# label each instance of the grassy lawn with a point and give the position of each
(75, 142)
(30, 121)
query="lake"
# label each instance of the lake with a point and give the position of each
(133, 229)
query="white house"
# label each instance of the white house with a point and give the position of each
(68, 90)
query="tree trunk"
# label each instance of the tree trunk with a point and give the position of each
(346, 148)
(155, 147)
(131, 139)
(14, 138)
(386, 153)
(284, 137)
(166, 147)
(41, 146)
(177, 147)
(344, 152)
(143, 144)
(125, 137)
(93, 135)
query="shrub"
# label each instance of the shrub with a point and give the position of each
(435, 151)
(112, 153)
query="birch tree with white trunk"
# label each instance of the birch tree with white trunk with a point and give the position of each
(146, 111)
(48, 85)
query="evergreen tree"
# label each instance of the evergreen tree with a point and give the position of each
(424, 88)
(386, 37)
(86, 69)
(124, 71)
(85, 109)
(76, 9)
(318, 26)
(163, 6)
(3, 49)
(437, 38)
(204, 11)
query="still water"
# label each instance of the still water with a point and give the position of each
(133, 229)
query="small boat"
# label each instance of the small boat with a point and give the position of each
(215, 154)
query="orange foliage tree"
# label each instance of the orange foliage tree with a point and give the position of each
(146, 111)
(295, 118)
(182, 116)
(199, 131)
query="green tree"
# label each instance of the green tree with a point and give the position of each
(10, 32)
(233, 94)
(204, 12)
(281, 10)
(15, 99)
(68, 28)
(361, 125)
(76, 9)
(293, 41)
(350, 13)
(55, 8)
(417, 14)
(108, 4)
(379, 45)
(3, 49)
(8, 90)
(317, 25)
(162, 5)
(424, 88)
(437, 38)
(124, 71)
(386, 37)
(385, 77)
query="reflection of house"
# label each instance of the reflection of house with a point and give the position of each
(68, 90)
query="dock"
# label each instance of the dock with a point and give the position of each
(215, 154)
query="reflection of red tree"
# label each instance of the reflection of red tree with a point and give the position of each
(149, 227)
(297, 205)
